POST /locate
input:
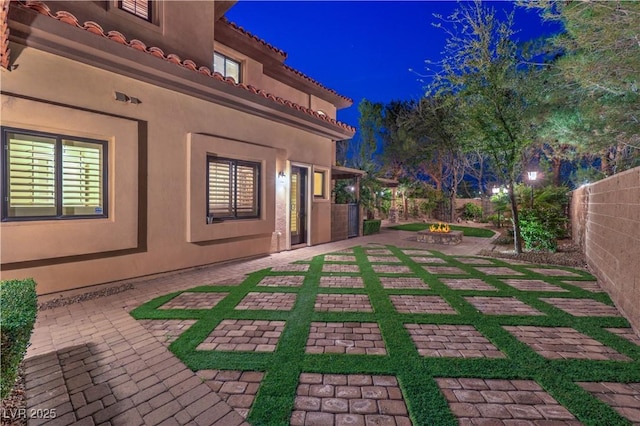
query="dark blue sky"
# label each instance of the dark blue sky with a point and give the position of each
(361, 49)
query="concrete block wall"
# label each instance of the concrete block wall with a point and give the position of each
(605, 219)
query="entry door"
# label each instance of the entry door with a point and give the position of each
(298, 209)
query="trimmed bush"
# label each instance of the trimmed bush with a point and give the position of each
(371, 226)
(18, 306)
(536, 232)
(471, 212)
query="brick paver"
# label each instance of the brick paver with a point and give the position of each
(502, 306)
(383, 259)
(623, 397)
(563, 342)
(428, 259)
(95, 364)
(583, 307)
(497, 270)
(349, 399)
(379, 251)
(391, 269)
(553, 272)
(291, 267)
(533, 285)
(421, 304)
(626, 333)
(267, 301)
(188, 300)
(591, 286)
(345, 338)
(167, 330)
(467, 284)
(282, 281)
(236, 388)
(339, 258)
(502, 402)
(343, 303)
(243, 335)
(340, 267)
(341, 282)
(444, 270)
(403, 282)
(457, 341)
(474, 260)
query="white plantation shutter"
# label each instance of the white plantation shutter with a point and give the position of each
(53, 176)
(81, 176)
(141, 8)
(246, 196)
(220, 189)
(32, 177)
(232, 189)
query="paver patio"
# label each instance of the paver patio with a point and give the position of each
(318, 343)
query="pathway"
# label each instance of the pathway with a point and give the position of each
(392, 333)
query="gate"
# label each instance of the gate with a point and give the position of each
(353, 221)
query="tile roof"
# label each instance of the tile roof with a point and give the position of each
(284, 55)
(246, 33)
(5, 52)
(118, 37)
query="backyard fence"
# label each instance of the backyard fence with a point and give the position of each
(605, 220)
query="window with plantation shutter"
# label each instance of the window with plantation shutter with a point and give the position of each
(232, 189)
(52, 176)
(140, 8)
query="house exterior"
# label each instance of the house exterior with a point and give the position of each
(141, 137)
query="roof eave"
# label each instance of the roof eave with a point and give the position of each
(43, 33)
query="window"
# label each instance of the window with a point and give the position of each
(140, 8)
(318, 184)
(48, 176)
(226, 66)
(233, 189)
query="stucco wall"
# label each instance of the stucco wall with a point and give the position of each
(605, 219)
(156, 134)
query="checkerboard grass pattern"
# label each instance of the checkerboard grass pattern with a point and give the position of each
(418, 376)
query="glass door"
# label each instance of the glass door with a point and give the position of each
(298, 210)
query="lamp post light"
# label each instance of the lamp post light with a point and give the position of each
(532, 178)
(495, 191)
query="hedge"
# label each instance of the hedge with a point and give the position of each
(18, 308)
(371, 227)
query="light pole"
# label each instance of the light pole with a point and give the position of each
(495, 191)
(532, 178)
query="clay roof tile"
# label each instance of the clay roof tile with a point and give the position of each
(94, 28)
(138, 45)
(258, 39)
(5, 52)
(188, 63)
(118, 37)
(67, 18)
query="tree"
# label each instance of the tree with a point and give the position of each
(433, 146)
(485, 68)
(369, 127)
(597, 72)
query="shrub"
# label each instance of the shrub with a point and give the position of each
(493, 219)
(471, 212)
(18, 305)
(540, 229)
(371, 226)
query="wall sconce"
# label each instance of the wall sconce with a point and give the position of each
(282, 175)
(532, 175)
(121, 97)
